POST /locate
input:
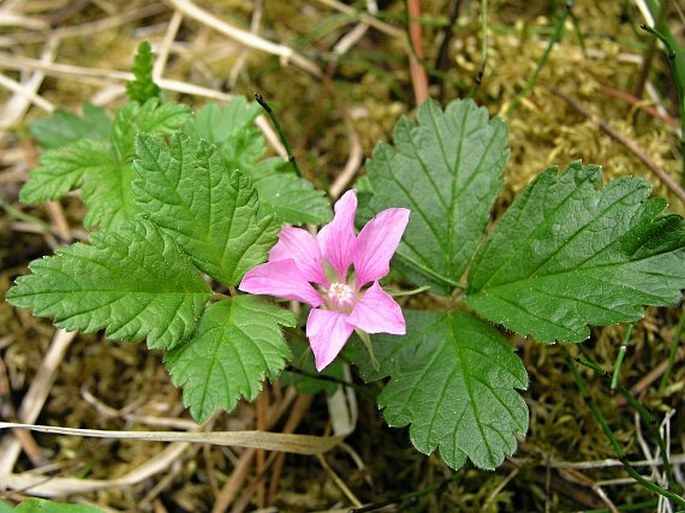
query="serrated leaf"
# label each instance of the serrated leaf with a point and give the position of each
(291, 198)
(108, 194)
(454, 381)
(109, 198)
(103, 168)
(569, 253)
(447, 169)
(64, 169)
(135, 283)
(151, 117)
(62, 127)
(238, 343)
(232, 129)
(212, 212)
(143, 87)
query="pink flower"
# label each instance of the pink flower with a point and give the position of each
(331, 271)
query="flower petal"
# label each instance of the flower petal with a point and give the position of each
(327, 331)
(377, 312)
(376, 244)
(336, 239)
(281, 279)
(301, 246)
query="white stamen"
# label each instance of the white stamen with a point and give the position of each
(342, 293)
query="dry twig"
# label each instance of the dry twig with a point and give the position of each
(665, 178)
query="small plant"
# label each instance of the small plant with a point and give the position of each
(175, 198)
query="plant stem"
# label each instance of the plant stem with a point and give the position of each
(673, 351)
(578, 32)
(675, 54)
(649, 421)
(419, 78)
(556, 37)
(374, 506)
(648, 56)
(638, 506)
(484, 48)
(361, 389)
(281, 134)
(621, 355)
(15, 213)
(448, 32)
(413, 292)
(604, 425)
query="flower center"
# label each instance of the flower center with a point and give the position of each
(341, 293)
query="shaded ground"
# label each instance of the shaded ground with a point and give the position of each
(334, 109)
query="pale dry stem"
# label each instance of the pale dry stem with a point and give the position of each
(33, 401)
(246, 38)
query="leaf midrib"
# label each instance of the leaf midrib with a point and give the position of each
(545, 225)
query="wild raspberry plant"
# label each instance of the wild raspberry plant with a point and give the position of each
(174, 198)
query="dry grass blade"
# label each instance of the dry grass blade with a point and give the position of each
(105, 76)
(8, 19)
(27, 93)
(164, 49)
(296, 444)
(86, 29)
(244, 37)
(677, 459)
(339, 482)
(17, 106)
(44, 486)
(353, 164)
(35, 398)
(367, 19)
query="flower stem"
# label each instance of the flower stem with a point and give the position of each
(281, 134)
(367, 342)
(413, 292)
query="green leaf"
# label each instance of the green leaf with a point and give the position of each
(212, 212)
(143, 87)
(62, 127)
(65, 168)
(453, 380)
(233, 131)
(103, 168)
(45, 506)
(151, 117)
(135, 283)
(293, 199)
(237, 344)
(109, 198)
(108, 194)
(569, 253)
(447, 169)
